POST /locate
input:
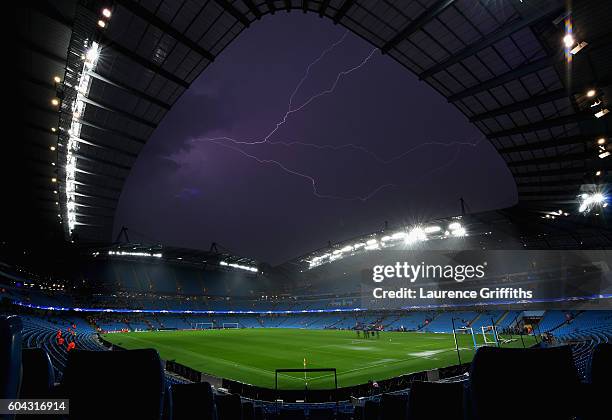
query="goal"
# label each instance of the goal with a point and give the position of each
(228, 325)
(203, 326)
(489, 331)
(465, 330)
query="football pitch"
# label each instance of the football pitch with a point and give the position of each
(252, 355)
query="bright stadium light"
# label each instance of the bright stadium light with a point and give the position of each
(459, 232)
(415, 235)
(57, 79)
(106, 12)
(398, 235)
(239, 266)
(55, 102)
(590, 201)
(134, 254)
(590, 93)
(454, 226)
(52, 148)
(101, 24)
(568, 40)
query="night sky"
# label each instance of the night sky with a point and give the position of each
(190, 188)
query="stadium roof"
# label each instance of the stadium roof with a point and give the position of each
(503, 64)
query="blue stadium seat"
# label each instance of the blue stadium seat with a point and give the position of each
(229, 407)
(188, 399)
(10, 356)
(424, 400)
(500, 379)
(128, 384)
(38, 376)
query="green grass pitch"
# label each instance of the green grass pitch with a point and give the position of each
(252, 355)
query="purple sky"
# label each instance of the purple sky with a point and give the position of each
(187, 190)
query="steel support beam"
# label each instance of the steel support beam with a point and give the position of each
(343, 9)
(521, 105)
(229, 8)
(544, 144)
(130, 89)
(128, 53)
(415, 25)
(112, 131)
(492, 38)
(513, 74)
(543, 124)
(100, 161)
(110, 108)
(156, 21)
(323, 7)
(553, 172)
(252, 8)
(556, 183)
(570, 157)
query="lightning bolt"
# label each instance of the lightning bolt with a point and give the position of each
(291, 110)
(312, 181)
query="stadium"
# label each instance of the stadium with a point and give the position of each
(372, 278)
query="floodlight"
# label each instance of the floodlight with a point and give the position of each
(590, 93)
(415, 235)
(601, 113)
(57, 79)
(101, 23)
(55, 102)
(454, 226)
(53, 179)
(432, 229)
(604, 155)
(52, 148)
(568, 40)
(92, 53)
(598, 173)
(462, 232)
(578, 47)
(106, 12)
(601, 140)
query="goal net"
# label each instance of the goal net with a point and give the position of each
(228, 325)
(203, 326)
(465, 338)
(489, 335)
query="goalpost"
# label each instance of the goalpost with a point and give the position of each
(203, 326)
(465, 330)
(491, 329)
(232, 325)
